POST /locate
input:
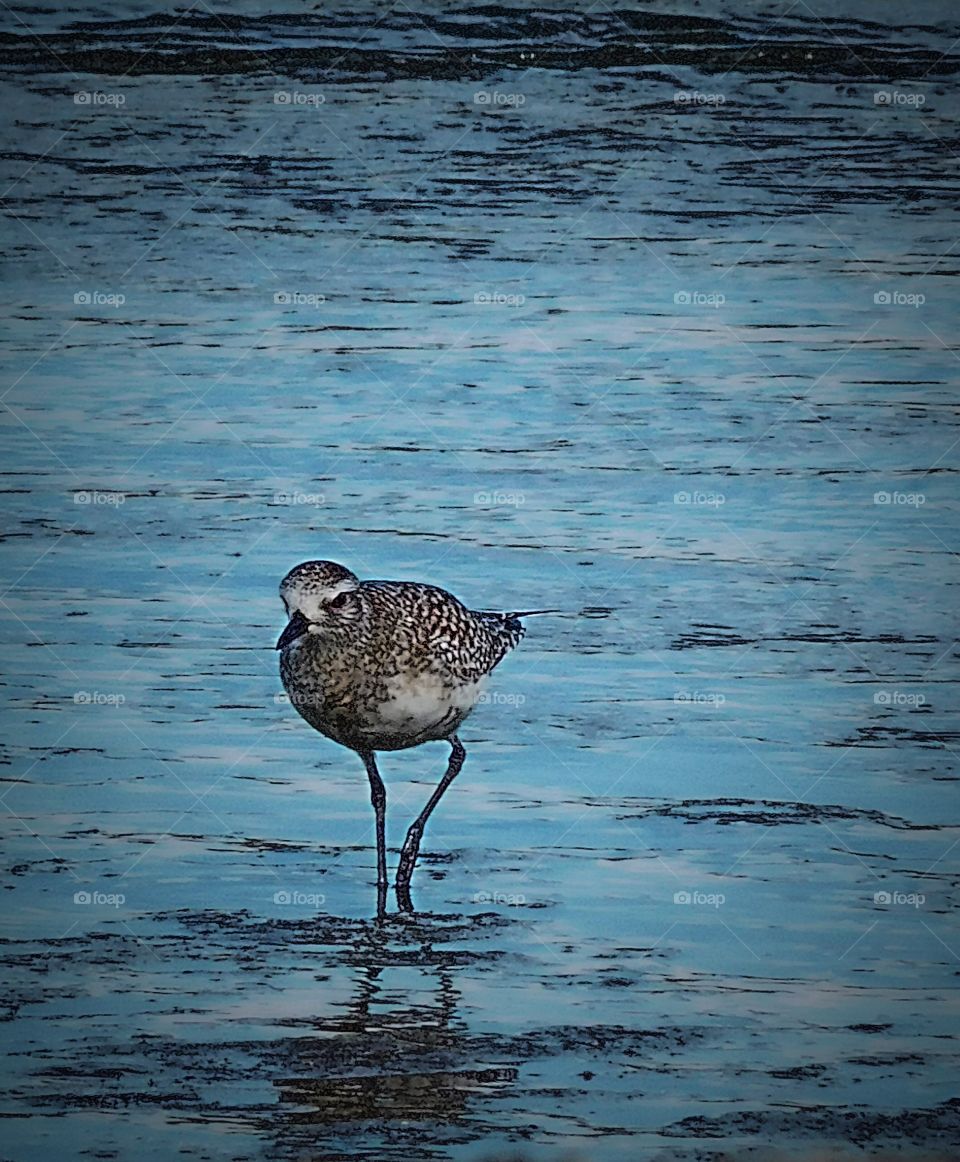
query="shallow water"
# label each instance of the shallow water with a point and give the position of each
(646, 316)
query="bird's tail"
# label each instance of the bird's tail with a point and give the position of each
(509, 624)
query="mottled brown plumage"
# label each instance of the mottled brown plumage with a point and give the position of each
(386, 665)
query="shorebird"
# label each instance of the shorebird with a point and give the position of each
(387, 665)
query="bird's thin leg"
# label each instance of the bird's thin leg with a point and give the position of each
(411, 845)
(378, 796)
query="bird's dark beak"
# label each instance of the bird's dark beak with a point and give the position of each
(297, 626)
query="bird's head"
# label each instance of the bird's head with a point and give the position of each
(321, 598)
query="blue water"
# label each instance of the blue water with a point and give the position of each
(644, 315)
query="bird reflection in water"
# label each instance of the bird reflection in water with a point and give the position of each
(389, 1057)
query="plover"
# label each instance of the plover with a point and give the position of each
(387, 665)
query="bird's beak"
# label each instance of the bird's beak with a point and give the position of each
(297, 626)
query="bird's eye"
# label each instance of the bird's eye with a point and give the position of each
(338, 602)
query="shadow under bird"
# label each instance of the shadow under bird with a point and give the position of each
(387, 665)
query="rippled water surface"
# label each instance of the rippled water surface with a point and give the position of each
(645, 314)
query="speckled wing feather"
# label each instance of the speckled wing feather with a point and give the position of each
(433, 632)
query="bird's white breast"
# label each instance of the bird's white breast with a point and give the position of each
(415, 702)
